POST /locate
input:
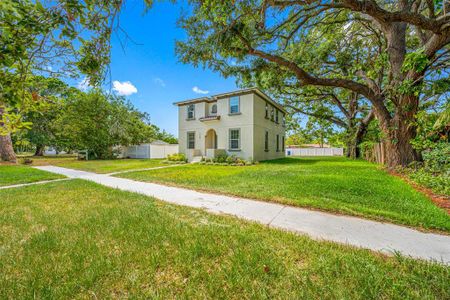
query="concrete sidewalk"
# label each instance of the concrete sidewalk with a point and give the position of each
(384, 237)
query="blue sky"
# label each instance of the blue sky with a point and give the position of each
(153, 68)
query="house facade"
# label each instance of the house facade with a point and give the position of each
(245, 123)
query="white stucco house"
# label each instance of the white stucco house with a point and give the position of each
(245, 123)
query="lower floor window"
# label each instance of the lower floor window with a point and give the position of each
(266, 141)
(282, 143)
(278, 143)
(235, 139)
(191, 140)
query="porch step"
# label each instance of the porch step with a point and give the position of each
(196, 159)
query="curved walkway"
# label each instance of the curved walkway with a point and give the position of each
(383, 237)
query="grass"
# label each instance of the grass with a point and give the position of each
(96, 166)
(110, 166)
(13, 174)
(76, 239)
(333, 184)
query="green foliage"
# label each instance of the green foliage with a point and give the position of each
(440, 184)
(49, 37)
(224, 159)
(97, 122)
(437, 160)
(177, 157)
(416, 61)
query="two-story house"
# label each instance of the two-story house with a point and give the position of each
(245, 123)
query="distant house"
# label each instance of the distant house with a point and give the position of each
(245, 123)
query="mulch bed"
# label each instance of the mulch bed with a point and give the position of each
(440, 200)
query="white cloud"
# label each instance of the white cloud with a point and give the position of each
(159, 81)
(125, 88)
(83, 84)
(197, 90)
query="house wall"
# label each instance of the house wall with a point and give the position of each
(261, 125)
(250, 121)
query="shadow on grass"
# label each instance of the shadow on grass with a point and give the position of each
(292, 161)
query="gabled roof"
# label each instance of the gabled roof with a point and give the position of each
(230, 94)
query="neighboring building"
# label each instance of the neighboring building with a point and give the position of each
(246, 123)
(155, 149)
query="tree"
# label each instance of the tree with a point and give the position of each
(97, 122)
(408, 48)
(36, 36)
(52, 93)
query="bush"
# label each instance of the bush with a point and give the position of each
(226, 160)
(434, 171)
(440, 184)
(437, 160)
(177, 157)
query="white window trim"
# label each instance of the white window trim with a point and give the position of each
(193, 112)
(212, 109)
(239, 106)
(229, 139)
(187, 139)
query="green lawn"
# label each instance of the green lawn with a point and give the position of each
(76, 239)
(114, 165)
(332, 184)
(11, 174)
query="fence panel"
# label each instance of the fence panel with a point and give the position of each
(314, 151)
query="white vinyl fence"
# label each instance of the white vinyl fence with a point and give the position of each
(314, 151)
(150, 151)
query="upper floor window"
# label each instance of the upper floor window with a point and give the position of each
(234, 105)
(267, 110)
(191, 140)
(283, 120)
(272, 113)
(191, 111)
(235, 139)
(214, 109)
(276, 116)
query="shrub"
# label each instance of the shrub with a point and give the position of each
(437, 160)
(221, 158)
(440, 184)
(177, 157)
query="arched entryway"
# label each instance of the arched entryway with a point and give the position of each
(211, 139)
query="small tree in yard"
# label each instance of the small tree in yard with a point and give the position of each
(406, 49)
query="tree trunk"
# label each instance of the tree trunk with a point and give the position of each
(39, 150)
(398, 133)
(6, 149)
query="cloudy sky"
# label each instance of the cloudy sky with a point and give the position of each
(148, 72)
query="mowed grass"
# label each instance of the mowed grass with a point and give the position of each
(97, 166)
(333, 184)
(114, 165)
(13, 174)
(76, 239)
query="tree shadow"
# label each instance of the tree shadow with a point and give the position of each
(292, 161)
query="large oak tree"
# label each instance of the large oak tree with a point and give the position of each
(406, 49)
